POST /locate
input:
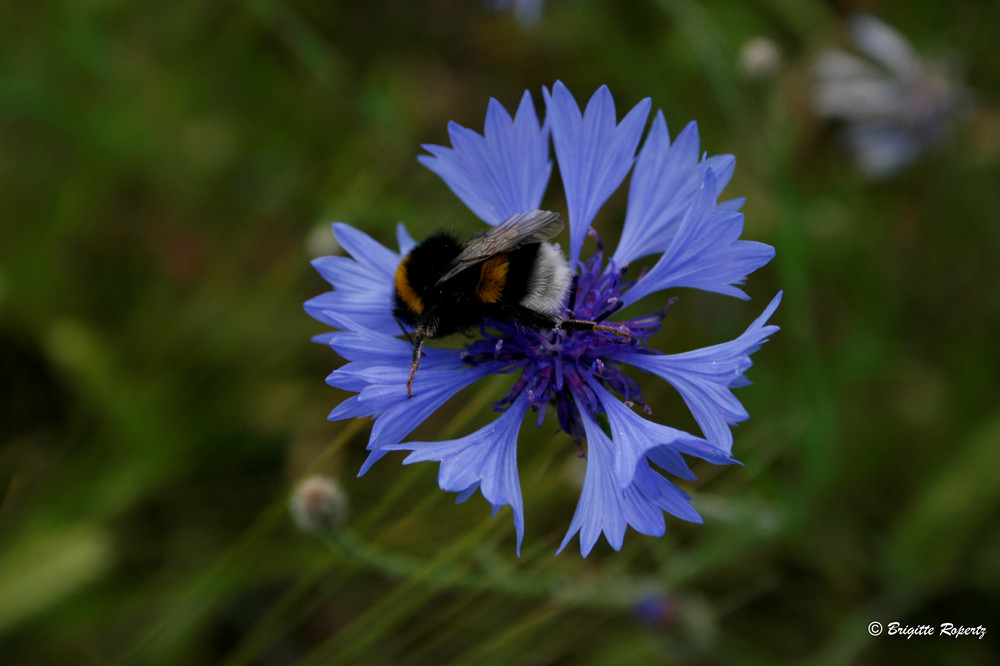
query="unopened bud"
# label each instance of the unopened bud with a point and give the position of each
(760, 58)
(318, 505)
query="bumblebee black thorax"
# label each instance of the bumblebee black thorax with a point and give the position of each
(484, 290)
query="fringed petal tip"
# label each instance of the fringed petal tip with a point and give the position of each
(607, 508)
(594, 152)
(499, 173)
(486, 461)
(704, 377)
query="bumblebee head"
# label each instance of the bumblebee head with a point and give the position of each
(417, 276)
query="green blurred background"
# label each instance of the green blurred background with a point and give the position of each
(167, 170)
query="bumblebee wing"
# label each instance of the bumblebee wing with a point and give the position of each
(533, 226)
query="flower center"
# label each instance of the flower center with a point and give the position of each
(556, 364)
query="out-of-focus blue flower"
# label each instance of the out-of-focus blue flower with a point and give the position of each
(654, 608)
(527, 12)
(673, 215)
(895, 105)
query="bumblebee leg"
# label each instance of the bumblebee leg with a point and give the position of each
(418, 347)
(584, 325)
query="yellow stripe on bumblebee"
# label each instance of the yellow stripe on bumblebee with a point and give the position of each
(405, 290)
(492, 278)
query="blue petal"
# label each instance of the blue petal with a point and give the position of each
(733, 205)
(606, 508)
(486, 459)
(594, 152)
(366, 250)
(665, 180)
(705, 377)
(662, 494)
(503, 172)
(356, 342)
(343, 272)
(599, 509)
(700, 448)
(466, 494)
(350, 409)
(705, 253)
(672, 461)
(634, 436)
(398, 415)
(351, 377)
(405, 240)
(378, 364)
(371, 307)
(363, 286)
(378, 369)
(723, 166)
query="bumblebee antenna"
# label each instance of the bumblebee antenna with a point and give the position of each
(418, 346)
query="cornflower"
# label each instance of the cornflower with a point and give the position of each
(673, 215)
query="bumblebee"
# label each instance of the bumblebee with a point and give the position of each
(507, 274)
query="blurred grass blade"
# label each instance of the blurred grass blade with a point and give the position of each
(40, 570)
(939, 525)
